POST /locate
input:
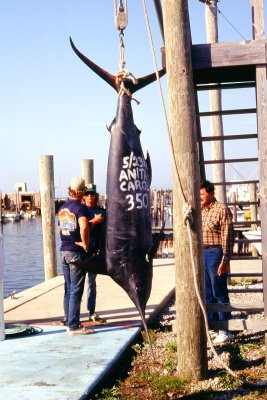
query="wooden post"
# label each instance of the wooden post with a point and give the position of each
(253, 207)
(261, 94)
(47, 192)
(233, 200)
(2, 321)
(191, 338)
(216, 121)
(1, 209)
(88, 171)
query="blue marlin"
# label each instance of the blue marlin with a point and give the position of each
(129, 248)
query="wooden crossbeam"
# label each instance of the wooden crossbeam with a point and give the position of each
(229, 54)
(245, 290)
(225, 307)
(228, 112)
(229, 137)
(239, 324)
(231, 160)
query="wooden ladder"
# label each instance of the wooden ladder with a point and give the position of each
(224, 66)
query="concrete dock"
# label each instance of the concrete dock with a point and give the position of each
(51, 364)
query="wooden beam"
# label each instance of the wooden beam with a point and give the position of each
(249, 307)
(243, 73)
(232, 160)
(229, 137)
(228, 112)
(239, 324)
(242, 85)
(229, 54)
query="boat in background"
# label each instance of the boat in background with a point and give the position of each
(11, 217)
(28, 214)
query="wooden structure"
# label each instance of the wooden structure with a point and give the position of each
(238, 65)
(192, 362)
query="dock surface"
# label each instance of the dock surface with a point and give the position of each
(52, 365)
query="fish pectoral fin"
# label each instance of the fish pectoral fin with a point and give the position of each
(148, 162)
(95, 264)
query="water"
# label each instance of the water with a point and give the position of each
(23, 254)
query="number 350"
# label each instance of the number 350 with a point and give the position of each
(140, 200)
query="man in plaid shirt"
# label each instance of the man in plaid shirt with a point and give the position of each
(218, 238)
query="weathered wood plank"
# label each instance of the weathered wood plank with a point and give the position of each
(231, 160)
(245, 274)
(229, 54)
(249, 307)
(229, 137)
(245, 290)
(224, 86)
(240, 324)
(228, 112)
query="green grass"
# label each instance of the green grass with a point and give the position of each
(160, 384)
(109, 394)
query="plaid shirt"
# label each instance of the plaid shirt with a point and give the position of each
(217, 227)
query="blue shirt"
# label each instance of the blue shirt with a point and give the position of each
(68, 220)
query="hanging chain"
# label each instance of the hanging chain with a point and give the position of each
(121, 21)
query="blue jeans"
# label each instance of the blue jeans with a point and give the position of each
(91, 292)
(73, 288)
(215, 286)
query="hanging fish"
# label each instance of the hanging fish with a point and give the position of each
(129, 249)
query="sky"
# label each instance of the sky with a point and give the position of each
(52, 104)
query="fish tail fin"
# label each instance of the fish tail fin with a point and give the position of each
(112, 79)
(106, 76)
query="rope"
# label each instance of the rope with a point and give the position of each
(188, 219)
(162, 101)
(208, 3)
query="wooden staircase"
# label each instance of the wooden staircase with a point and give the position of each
(236, 66)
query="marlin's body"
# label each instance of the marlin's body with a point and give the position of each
(128, 235)
(128, 240)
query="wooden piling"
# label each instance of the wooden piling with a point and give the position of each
(191, 338)
(261, 95)
(2, 322)
(47, 192)
(216, 121)
(1, 207)
(88, 170)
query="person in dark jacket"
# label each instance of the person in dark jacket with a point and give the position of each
(73, 225)
(96, 244)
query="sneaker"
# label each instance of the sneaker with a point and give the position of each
(213, 334)
(223, 338)
(81, 331)
(63, 322)
(96, 318)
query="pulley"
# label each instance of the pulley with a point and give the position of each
(121, 15)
